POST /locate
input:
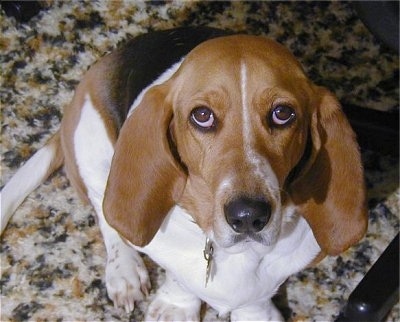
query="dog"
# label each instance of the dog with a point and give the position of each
(215, 155)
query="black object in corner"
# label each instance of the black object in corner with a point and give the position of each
(21, 10)
(378, 291)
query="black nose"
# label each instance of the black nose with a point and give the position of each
(247, 215)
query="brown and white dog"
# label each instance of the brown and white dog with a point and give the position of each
(215, 155)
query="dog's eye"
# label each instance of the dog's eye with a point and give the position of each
(203, 117)
(282, 115)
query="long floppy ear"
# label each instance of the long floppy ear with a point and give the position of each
(330, 191)
(145, 179)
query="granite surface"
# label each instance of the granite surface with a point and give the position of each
(52, 255)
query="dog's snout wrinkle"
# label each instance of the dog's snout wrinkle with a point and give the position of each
(246, 215)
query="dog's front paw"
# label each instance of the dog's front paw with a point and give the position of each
(263, 312)
(163, 310)
(127, 279)
(274, 314)
(172, 303)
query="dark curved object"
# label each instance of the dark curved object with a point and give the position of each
(378, 291)
(21, 10)
(382, 19)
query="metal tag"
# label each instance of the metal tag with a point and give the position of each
(208, 256)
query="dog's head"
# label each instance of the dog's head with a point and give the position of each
(235, 136)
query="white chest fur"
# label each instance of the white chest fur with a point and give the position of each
(237, 278)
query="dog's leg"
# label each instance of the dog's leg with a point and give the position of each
(127, 279)
(173, 303)
(264, 311)
(126, 276)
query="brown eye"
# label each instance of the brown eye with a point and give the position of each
(282, 115)
(203, 117)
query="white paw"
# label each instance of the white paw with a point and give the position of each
(162, 310)
(275, 315)
(173, 303)
(264, 312)
(127, 279)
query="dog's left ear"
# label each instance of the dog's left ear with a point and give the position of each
(330, 190)
(146, 178)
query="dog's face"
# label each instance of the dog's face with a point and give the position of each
(240, 125)
(235, 136)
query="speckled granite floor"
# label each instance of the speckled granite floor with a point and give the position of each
(52, 256)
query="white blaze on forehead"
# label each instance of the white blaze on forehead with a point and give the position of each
(245, 107)
(260, 164)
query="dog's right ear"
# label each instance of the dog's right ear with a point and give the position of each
(145, 179)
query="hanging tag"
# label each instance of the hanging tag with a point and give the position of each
(208, 256)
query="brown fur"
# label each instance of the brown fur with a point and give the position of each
(331, 193)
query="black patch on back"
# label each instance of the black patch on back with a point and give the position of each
(144, 58)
